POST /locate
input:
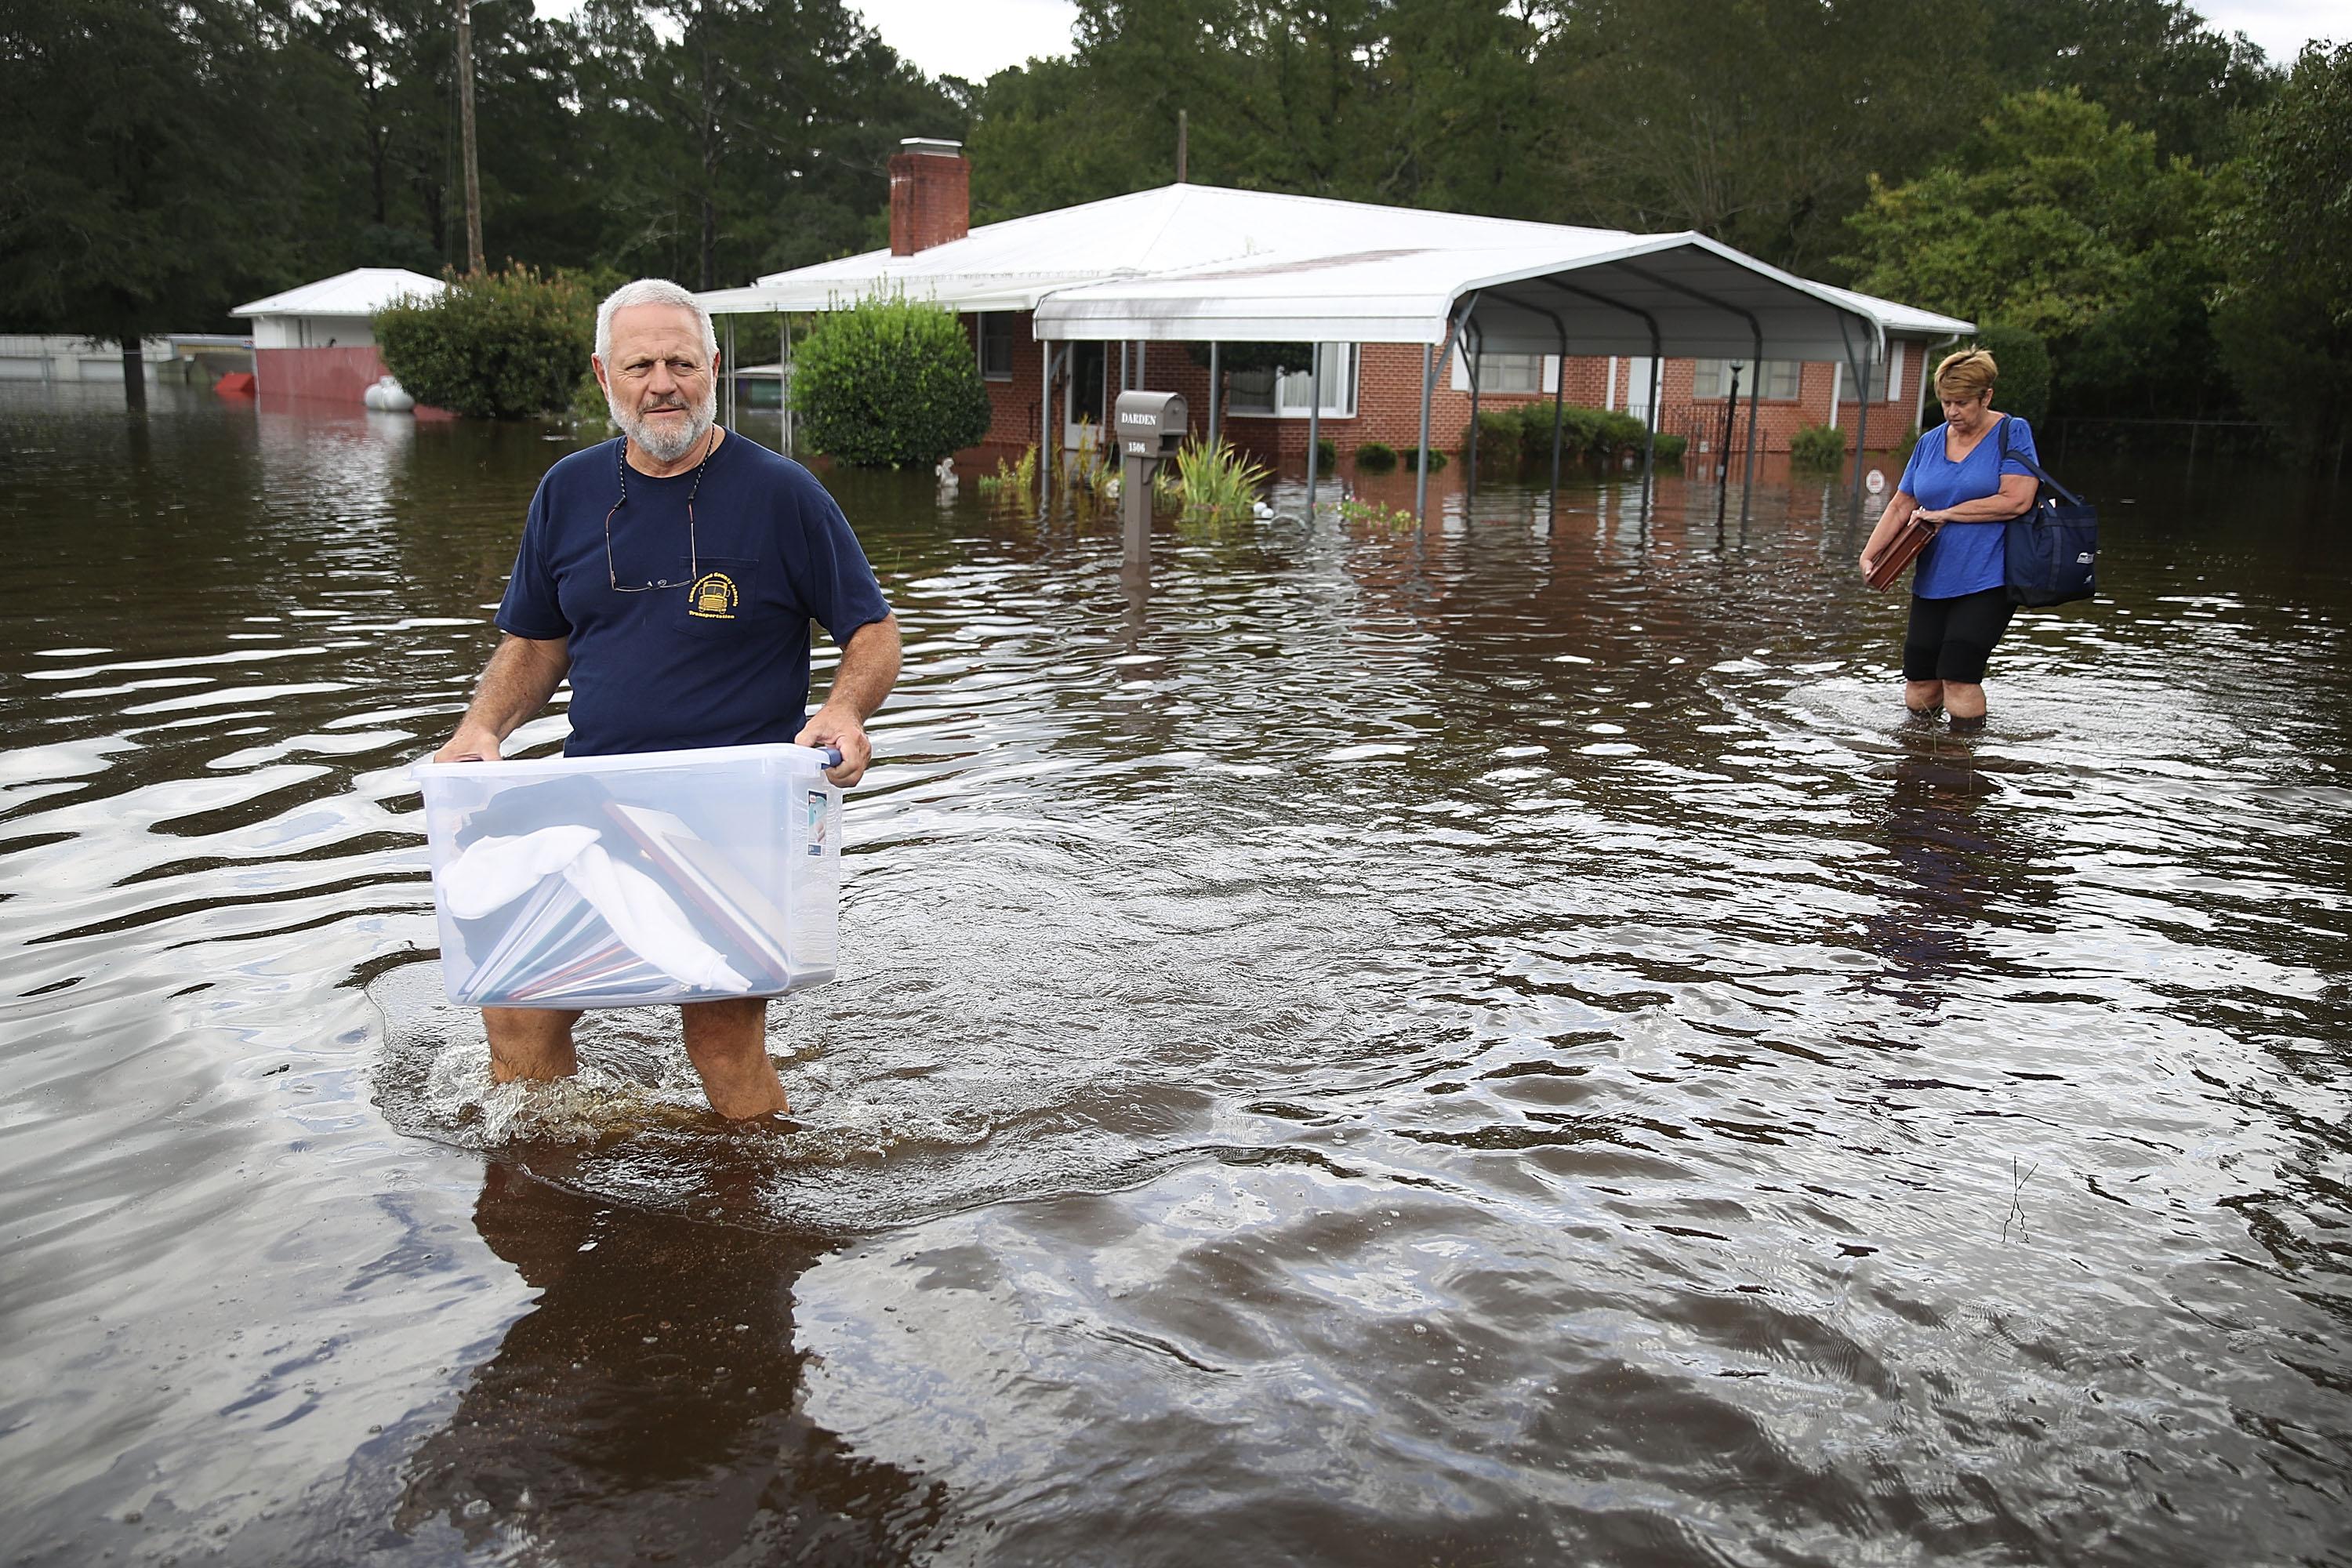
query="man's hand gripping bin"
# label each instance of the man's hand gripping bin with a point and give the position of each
(627, 881)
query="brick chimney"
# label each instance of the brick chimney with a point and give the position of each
(931, 195)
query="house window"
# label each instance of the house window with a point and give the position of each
(1284, 394)
(1502, 372)
(1250, 392)
(1712, 378)
(1510, 372)
(996, 345)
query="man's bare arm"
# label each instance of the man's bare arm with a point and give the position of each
(522, 674)
(869, 667)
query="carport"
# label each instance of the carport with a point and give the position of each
(1682, 295)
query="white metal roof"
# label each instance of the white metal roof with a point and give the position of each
(1195, 263)
(361, 291)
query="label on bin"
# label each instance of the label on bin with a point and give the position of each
(816, 803)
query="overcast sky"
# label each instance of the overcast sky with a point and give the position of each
(972, 38)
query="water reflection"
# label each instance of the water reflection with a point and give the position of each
(1955, 862)
(1374, 1044)
(654, 1378)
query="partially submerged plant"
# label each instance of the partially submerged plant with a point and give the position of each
(1377, 514)
(1094, 471)
(1013, 483)
(1215, 484)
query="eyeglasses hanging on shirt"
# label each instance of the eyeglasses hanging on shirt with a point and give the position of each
(693, 563)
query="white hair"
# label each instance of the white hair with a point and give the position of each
(651, 291)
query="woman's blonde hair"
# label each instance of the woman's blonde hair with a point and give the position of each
(1967, 375)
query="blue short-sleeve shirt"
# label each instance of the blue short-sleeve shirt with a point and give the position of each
(720, 656)
(1964, 557)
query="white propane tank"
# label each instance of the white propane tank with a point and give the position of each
(386, 394)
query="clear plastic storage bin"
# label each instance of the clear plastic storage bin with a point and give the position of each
(624, 881)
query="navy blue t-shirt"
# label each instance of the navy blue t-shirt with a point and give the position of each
(719, 657)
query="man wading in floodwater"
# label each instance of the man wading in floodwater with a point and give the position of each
(672, 573)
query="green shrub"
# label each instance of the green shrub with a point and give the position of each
(1411, 456)
(1817, 448)
(495, 345)
(589, 405)
(1376, 457)
(1501, 439)
(888, 383)
(1515, 440)
(1614, 434)
(1326, 456)
(1670, 448)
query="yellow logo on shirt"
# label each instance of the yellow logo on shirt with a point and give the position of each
(714, 597)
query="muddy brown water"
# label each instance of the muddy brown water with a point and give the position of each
(1483, 1043)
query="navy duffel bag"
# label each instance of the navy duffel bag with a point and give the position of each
(2053, 548)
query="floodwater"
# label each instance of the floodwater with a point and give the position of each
(1490, 1043)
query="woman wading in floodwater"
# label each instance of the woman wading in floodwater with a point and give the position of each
(1958, 482)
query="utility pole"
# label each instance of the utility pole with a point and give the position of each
(1183, 136)
(465, 132)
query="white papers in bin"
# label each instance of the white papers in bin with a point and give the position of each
(593, 925)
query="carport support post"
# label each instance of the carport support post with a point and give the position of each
(1217, 391)
(1860, 425)
(785, 336)
(1558, 405)
(1474, 349)
(727, 365)
(1314, 422)
(1044, 427)
(1730, 414)
(1755, 391)
(1420, 466)
(1650, 446)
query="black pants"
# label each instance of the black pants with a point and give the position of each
(1949, 639)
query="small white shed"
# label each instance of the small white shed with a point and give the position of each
(315, 342)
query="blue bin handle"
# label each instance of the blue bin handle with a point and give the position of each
(833, 756)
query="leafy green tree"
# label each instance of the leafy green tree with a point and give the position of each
(380, 147)
(737, 138)
(889, 382)
(2053, 219)
(1758, 124)
(494, 345)
(2284, 318)
(2025, 360)
(1400, 103)
(140, 164)
(2154, 64)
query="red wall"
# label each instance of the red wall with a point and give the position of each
(326, 375)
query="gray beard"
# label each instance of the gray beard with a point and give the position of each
(667, 445)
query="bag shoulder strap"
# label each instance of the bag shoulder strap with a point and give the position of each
(2039, 471)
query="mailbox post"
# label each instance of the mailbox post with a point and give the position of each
(1152, 426)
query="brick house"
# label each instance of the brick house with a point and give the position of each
(1066, 309)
